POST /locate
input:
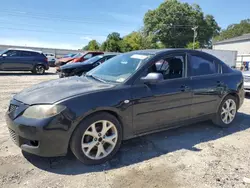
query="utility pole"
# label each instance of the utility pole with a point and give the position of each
(195, 34)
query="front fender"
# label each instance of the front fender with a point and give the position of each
(109, 101)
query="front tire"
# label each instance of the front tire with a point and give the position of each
(227, 112)
(96, 139)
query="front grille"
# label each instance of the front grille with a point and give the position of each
(12, 108)
(14, 137)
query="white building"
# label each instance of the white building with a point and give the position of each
(240, 44)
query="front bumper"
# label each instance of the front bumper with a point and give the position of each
(47, 138)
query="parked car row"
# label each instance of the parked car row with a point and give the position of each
(77, 69)
(129, 95)
(37, 62)
(80, 57)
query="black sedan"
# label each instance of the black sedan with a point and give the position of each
(132, 94)
(77, 69)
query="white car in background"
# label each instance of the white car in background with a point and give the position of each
(246, 76)
(51, 59)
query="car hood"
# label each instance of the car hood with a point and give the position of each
(72, 66)
(55, 90)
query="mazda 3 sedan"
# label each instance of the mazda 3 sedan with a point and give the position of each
(132, 94)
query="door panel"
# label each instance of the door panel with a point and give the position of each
(10, 62)
(159, 105)
(206, 84)
(26, 63)
(27, 59)
(206, 92)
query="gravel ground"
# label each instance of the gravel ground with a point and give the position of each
(199, 155)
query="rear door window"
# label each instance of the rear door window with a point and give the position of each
(26, 54)
(202, 66)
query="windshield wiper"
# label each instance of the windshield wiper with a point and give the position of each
(96, 78)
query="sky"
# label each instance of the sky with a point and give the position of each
(71, 24)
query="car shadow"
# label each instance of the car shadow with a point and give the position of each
(24, 74)
(144, 148)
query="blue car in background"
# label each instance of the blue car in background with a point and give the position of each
(23, 60)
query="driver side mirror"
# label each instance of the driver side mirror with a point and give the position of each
(151, 78)
(4, 55)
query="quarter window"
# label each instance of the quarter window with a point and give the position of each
(201, 66)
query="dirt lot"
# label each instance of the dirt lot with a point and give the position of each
(198, 156)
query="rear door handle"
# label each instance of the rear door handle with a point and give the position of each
(184, 88)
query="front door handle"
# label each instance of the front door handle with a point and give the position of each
(184, 88)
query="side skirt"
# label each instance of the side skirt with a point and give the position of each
(174, 125)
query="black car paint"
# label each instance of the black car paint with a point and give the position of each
(151, 107)
(22, 63)
(77, 69)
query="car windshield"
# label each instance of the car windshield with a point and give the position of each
(119, 68)
(93, 59)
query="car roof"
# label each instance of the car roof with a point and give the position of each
(24, 49)
(158, 51)
(93, 52)
(104, 55)
(181, 50)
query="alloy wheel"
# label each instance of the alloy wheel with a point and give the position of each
(228, 111)
(99, 139)
(39, 69)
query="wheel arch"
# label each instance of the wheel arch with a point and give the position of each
(109, 110)
(34, 66)
(232, 93)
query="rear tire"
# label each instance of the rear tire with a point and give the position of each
(96, 139)
(226, 113)
(39, 69)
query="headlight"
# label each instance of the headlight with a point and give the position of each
(43, 111)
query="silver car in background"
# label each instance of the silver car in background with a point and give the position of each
(246, 75)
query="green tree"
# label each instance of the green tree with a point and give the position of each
(171, 24)
(235, 30)
(196, 45)
(113, 43)
(139, 41)
(92, 46)
(131, 42)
